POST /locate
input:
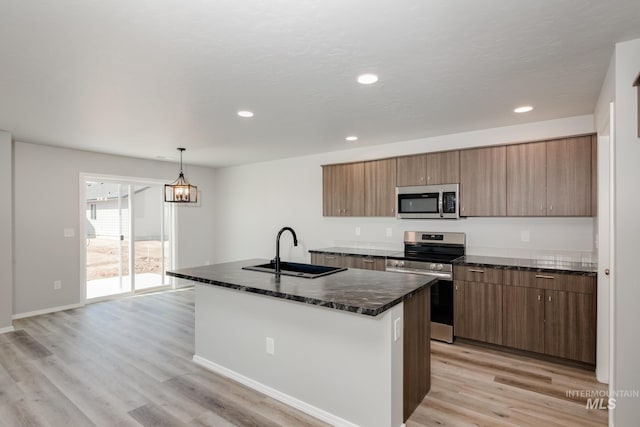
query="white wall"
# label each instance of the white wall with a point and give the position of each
(626, 375)
(47, 201)
(6, 242)
(344, 364)
(254, 201)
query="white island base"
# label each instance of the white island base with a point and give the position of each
(343, 368)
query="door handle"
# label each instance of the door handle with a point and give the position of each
(472, 270)
(542, 276)
(606, 271)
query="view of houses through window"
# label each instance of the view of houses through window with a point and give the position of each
(127, 229)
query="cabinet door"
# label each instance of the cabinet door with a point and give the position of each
(570, 325)
(523, 325)
(483, 182)
(411, 170)
(353, 189)
(443, 168)
(380, 188)
(527, 179)
(329, 207)
(459, 317)
(478, 311)
(343, 190)
(569, 177)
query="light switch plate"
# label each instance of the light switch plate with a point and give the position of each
(271, 346)
(357, 231)
(69, 232)
(389, 232)
(524, 236)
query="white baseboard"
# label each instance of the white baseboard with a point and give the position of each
(271, 392)
(45, 311)
(7, 329)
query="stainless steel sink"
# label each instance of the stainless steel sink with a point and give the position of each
(308, 271)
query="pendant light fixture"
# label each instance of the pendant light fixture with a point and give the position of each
(180, 191)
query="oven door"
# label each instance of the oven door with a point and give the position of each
(417, 204)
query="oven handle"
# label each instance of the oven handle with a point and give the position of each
(440, 201)
(421, 272)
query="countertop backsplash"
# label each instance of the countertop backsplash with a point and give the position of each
(537, 254)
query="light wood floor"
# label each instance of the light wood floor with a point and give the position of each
(128, 363)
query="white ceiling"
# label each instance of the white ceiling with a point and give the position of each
(142, 77)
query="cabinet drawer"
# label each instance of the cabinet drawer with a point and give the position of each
(330, 260)
(478, 274)
(364, 262)
(551, 281)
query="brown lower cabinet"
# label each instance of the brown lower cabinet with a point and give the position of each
(348, 261)
(552, 314)
(478, 311)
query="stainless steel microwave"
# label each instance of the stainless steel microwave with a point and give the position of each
(428, 201)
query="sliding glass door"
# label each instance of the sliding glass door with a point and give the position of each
(128, 237)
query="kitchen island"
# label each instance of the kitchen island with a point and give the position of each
(351, 348)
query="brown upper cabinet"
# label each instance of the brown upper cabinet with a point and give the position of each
(429, 169)
(483, 181)
(548, 178)
(553, 178)
(569, 177)
(412, 170)
(343, 189)
(380, 188)
(527, 179)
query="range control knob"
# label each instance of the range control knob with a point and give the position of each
(401, 263)
(432, 266)
(396, 263)
(439, 267)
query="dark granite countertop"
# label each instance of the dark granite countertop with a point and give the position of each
(359, 291)
(379, 253)
(540, 265)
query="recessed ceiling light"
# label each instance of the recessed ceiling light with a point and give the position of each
(245, 113)
(523, 109)
(367, 79)
(351, 138)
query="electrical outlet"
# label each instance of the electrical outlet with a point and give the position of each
(389, 232)
(57, 285)
(397, 331)
(271, 346)
(357, 231)
(524, 236)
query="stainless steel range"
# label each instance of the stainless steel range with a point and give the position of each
(427, 252)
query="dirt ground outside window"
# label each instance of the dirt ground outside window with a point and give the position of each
(103, 258)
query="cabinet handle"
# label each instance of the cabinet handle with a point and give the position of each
(472, 270)
(550, 207)
(541, 206)
(428, 178)
(370, 261)
(456, 287)
(539, 298)
(330, 257)
(549, 298)
(422, 178)
(542, 276)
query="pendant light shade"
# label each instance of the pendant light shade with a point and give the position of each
(180, 191)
